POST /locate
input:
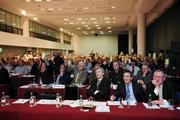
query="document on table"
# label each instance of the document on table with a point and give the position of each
(99, 103)
(151, 107)
(113, 103)
(100, 108)
(58, 86)
(25, 86)
(46, 102)
(21, 101)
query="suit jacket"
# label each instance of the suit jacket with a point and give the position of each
(116, 77)
(65, 79)
(82, 76)
(168, 91)
(46, 77)
(104, 88)
(137, 90)
(4, 76)
(147, 78)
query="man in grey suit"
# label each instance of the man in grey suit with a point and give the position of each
(80, 74)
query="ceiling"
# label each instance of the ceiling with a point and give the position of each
(84, 17)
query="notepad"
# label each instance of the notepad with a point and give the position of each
(46, 102)
(113, 103)
(100, 108)
(151, 107)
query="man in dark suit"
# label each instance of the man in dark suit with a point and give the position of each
(144, 76)
(4, 75)
(160, 89)
(128, 90)
(116, 75)
(99, 88)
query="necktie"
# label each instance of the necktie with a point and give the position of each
(127, 92)
(98, 82)
(77, 78)
(132, 71)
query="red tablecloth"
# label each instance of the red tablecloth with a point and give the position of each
(21, 91)
(49, 112)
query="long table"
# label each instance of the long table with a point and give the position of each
(50, 112)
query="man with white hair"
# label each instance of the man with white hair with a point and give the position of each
(80, 74)
(160, 89)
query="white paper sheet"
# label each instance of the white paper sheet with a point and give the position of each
(102, 109)
(68, 102)
(21, 101)
(25, 86)
(99, 103)
(113, 103)
(151, 107)
(58, 86)
(131, 103)
(46, 102)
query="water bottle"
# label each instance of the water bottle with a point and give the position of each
(58, 100)
(3, 99)
(150, 100)
(81, 103)
(31, 100)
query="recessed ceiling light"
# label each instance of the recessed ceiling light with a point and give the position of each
(95, 22)
(85, 25)
(79, 18)
(61, 29)
(92, 32)
(66, 19)
(71, 23)
(28, 0)
(93, 18)
(48, 0)
(23, 12)
(78, 28)
(88, 28)
(108, 27)
(50, 9)
(83, 22)
(110, 31)
(98, 27)
(86, 8)
(35, 19)
(38, 0)
(113, 7)
(108, 22)
(107, 18)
